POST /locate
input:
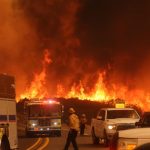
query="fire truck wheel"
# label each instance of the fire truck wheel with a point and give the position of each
(5, 143)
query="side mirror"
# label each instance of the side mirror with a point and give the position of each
(99, 117)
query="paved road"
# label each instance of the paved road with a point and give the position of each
(57, 143)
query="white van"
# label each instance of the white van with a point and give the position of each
(8, 118)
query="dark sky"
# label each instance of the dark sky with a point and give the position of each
(83, 37)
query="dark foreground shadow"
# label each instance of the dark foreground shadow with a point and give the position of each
(92, 145)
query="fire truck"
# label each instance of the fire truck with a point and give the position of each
(8, 119)
(43, 117)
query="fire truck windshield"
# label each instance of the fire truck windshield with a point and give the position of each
(44, 110)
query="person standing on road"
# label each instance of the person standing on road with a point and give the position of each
(73, 131)
(83, 122)
(5, 143)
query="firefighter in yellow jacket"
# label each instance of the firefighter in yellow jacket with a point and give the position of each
(73, 131)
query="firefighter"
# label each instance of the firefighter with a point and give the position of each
(73, 131)
(83, 121)
(5, 143)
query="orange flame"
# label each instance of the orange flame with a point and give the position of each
(99, 92)
(37, 88)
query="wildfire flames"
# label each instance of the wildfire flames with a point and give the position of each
(99, 91)
(37, 87)
(96, 58)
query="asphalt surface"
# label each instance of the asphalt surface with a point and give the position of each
(57, 143)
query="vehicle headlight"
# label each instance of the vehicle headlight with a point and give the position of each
(32, 123)
(127, 144)
(56, 122)
(111, 127)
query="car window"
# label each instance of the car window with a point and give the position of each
(102, 114)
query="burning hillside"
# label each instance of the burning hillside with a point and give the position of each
(98, 91)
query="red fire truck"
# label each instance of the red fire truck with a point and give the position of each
(43, 117)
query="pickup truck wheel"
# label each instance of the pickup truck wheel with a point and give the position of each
(94, 138)
(106, 141)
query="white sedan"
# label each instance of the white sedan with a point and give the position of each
(130, 139)
(133, 139)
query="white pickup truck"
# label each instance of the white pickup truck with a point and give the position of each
(111, 120)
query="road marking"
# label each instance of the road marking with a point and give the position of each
(37, 142)
(44, 145)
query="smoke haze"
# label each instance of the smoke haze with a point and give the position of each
(82, 37)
